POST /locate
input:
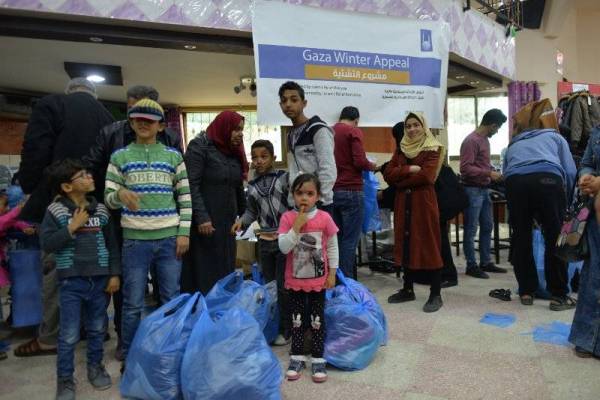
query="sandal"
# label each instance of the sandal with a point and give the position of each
(501, 294)
(526, 299)
(562, 303)
(33, 349)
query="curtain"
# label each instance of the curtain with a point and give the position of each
(519, 94)
(174, 121)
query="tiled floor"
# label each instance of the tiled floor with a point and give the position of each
(445, 355)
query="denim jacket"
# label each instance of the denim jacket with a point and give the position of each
(590, 163)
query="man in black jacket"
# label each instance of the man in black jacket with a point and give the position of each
(60, 126)
(112, 138)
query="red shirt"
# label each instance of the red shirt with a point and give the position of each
(350, 157)
(475, 164)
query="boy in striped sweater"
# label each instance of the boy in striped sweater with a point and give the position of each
(148, 181)
(78, 231)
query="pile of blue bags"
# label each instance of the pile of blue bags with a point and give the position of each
(355, 323)
(209, 348)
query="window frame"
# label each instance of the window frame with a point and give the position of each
(279, 164)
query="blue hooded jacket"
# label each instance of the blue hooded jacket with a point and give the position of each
(540, 150)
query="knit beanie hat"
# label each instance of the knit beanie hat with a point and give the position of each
(148, 109)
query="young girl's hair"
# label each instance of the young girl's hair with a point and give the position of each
(303, 178)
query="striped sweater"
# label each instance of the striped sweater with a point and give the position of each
(157, 173)
(91, 251)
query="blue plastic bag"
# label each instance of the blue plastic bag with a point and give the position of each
(233, 291)
(154, 359)
(556, 333)
(25, 268)
(499, 320)
(538, 256)
(229, 359)
(272, 329)
(371, 218)
(355, 323)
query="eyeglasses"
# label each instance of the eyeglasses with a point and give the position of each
(82, 174)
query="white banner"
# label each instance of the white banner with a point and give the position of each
(384, 66)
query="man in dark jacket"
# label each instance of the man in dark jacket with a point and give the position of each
(60, 126)
(114, 137)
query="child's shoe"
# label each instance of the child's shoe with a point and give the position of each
(280, 340)
(98, 377)
(65, 389)
(297, 364)
(319, 370)
(3, 356)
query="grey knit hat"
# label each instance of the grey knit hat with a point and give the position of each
(81, 85)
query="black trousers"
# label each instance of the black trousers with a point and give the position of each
(308, 311)
(539, 196)
(272, 262)
(449, 271)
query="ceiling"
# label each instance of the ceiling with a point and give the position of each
(186, 78)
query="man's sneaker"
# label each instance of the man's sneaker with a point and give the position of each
(433, 304)
(280, 340)
(476, 272)
(98, 377)
(297, 364)
(402, 296)
(319, 370)
(491, 267)
(65, 389)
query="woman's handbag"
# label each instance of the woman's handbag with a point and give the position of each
(572, 244)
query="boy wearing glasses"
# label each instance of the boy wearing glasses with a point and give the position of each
(148, 182)
(78, 231)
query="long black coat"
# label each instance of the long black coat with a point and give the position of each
(60, 126)
(217, 192)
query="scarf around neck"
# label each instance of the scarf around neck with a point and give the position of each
(412, 147)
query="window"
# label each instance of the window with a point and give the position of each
(465, 113)
(197, 122)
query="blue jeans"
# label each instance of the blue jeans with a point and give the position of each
(138, 256)
(75, 295)
(348, 213)
(4, 346)
(479, 213)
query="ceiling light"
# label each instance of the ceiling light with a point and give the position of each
(474, 83)
(95, 78)
(96, 39)
(460, 77)
(98, 73)
(189, 47)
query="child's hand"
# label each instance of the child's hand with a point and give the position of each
(130, 199)
(113, 285)
(330, 282)
(301, 220)
(183, 245)
(29, 230)
(236, 227)
(80, 218)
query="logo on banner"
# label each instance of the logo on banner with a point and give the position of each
(426, 43)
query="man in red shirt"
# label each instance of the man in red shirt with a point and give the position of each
(348, 197)
(477, 174)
